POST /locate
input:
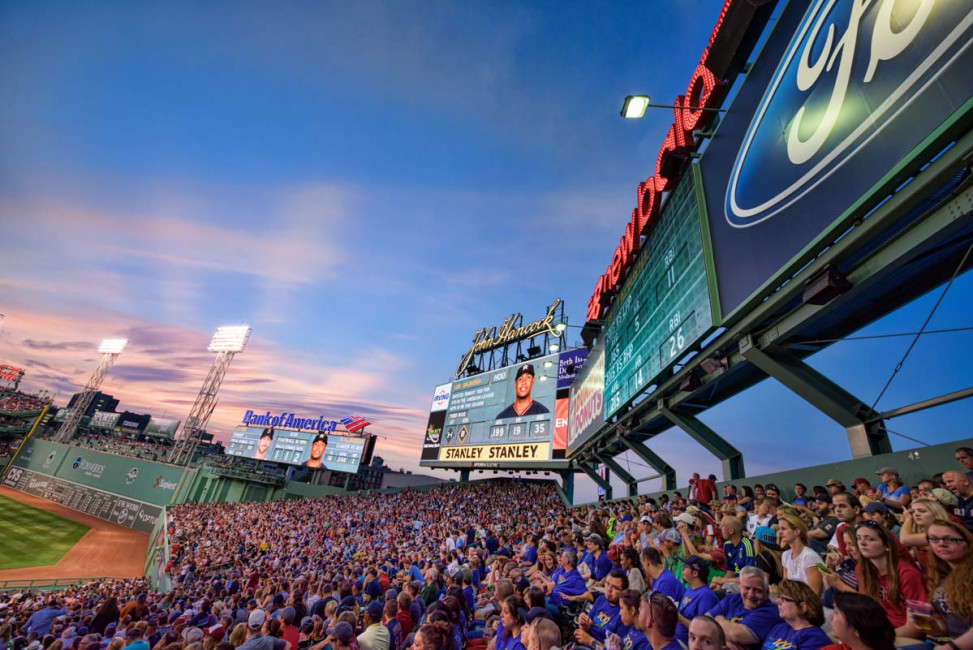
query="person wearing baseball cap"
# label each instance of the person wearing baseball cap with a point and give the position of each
(835, 485)
(263, 444)
(523, 403)
(341, 634)
(598, 562)
(698, 598)
(318, 446)
(893, 492)
(376, 636)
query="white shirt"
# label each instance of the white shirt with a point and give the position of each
(795, 568)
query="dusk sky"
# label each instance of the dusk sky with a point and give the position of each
(365, 184)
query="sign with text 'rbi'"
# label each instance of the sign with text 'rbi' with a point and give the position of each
(663, 307)
(842, 92)
(511, 416)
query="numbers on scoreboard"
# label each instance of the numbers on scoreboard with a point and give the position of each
(498, 431)
(540, 428)
(517, 430)
(680, 331)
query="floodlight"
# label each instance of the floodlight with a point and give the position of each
(548, 364)
(554, 347)
(560, 327)
(113, 346)
(543, 377)
(232, 338)
(634, 106)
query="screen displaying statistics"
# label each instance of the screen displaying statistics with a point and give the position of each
(314, 449)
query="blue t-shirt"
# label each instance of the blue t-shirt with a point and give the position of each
(759, 621)
(632, 639)
(667, 585)
(570, 583)
(530, 555)
(694, 602)
(470, 597)
(509, 643)
(395, 634)
(784, 637)
(895, 495)
(605, 618)
(602, 567)
(739, 556)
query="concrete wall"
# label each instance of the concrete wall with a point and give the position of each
(912, 464)
(400, 480)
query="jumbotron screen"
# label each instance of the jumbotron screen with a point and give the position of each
(514, 416)
(315, 449)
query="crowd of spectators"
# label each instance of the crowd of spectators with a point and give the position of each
(15, 401)
(502, 565)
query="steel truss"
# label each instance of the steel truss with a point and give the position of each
(85, 398)
(185, 447)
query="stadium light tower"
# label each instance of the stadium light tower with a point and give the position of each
(227, 341)
(110, 349)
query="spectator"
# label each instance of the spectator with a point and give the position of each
(799, 560)
(632, 565)
(769, 553)
(513, 621)
(892, 491)
(631, 637)
(706, 634)
(800, 495)
(657, 621)
(847, 508)
(604, 617)
(961, 486)
(964, 455)
(799, 607)
(859, 622)
(819, 534)
(697, 598)
(748, 616)
(739, 550)
(915, 521)
(883, 576)
(660, 579)
(950, 577)
(375, 636)
(835, 485)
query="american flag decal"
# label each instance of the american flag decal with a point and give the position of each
(354, 423)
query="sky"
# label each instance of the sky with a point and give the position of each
(366, 184)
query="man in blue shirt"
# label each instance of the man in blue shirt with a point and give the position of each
(659, 578)
(566, 584)
(601, 564)
(40, 621)
(605, 615)
(698, 597)
(739, 550)
(748, 616)
(529, 552)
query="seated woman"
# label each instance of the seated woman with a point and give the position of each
(800, 608)
(859, 623)
(883, 576)
(915, 521)
(799, 560)
(950, 580)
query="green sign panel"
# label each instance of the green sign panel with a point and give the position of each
(663, 307)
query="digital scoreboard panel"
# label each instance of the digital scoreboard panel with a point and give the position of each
(316, 450)
(663, 307)
(513, 416)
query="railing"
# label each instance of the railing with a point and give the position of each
(50, 584)
(268, 479)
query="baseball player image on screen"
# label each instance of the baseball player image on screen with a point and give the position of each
(318, 447)
(263, 444)
(523, 403)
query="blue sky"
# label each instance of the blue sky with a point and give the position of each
(366, 184)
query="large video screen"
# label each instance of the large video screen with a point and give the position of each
(317, 450)
(513, 416)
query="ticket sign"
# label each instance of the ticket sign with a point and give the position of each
(663, 307)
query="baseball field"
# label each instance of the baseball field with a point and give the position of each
(31, 537)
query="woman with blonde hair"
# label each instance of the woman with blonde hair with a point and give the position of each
(916, 520)
(238, 635)
(799, 560)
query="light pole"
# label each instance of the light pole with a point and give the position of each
(110, 349)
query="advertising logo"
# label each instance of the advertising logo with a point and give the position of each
(850, 69)
(77, 462)
(92, 469)
(161, 483)
(49, 460)
(433, 434)
(440, 399)
(132, 475)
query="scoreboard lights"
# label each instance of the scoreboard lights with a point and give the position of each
(692, 111)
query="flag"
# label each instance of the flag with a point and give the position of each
(354, 423)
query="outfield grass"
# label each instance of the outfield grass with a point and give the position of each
(31, 537)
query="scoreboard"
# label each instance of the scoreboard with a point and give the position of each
(663, 307)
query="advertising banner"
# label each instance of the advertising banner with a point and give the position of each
(305, 442)
(510, 416)
(109, 507)
(11, 373)
(41, 455)
(104, 420)
(586, 415)
(162, 428)
(139, 479)
(842, 92)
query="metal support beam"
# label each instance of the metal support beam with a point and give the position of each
(85, 398)
(928, 403)
(630, 483)
(602, 483)
(864, 426)
(464, 476)
(654, 461)
(567, 487)
(729, 455)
